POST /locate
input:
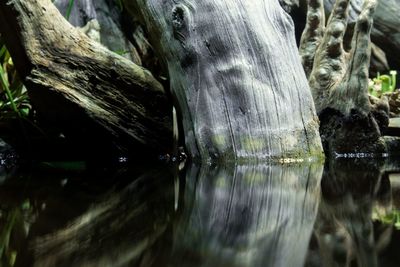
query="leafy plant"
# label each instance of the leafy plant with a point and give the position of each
(14, 98)
(383, 84)
(393, 217)
(121, 52)
(16, 220)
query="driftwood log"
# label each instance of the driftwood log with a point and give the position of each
(236, 74)
(339, 79)
(78, 84)
(239, 84)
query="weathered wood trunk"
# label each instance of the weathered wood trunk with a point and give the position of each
(75, 82)
(338, 79)
(236, 74)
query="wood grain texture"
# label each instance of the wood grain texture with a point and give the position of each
(339, 78)
(236, 73)
(312, 34)
(339, 84)
(79, 84)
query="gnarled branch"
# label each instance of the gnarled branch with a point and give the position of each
(79, 84)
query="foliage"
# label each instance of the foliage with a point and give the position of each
(69, 9)
(393, 217)
(14, 222)
(121, 52)
(14, 100)
(382, 84)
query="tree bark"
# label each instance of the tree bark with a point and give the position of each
(79, 84)
(339, 79)
(237, 77)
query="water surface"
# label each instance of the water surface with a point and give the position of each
(300, 214)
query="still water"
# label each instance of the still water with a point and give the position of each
(346, 213)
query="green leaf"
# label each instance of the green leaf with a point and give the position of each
(121, 52)
(386, 82)
(6, 231)
(26, 205)
(69, 9)
(3, 50)
(13, 257)
(5, 85)
(65, 165)
(24, 111)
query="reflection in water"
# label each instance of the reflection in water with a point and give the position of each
(344, 231)
(120, 230)
(237, 216)
(259, 215)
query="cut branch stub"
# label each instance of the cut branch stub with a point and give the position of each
(339, 84)
(79, 84)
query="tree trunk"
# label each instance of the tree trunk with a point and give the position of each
(79, 84)
(339, 79)
(237, 77)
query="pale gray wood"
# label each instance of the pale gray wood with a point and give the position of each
(339, 79)
(236, 73)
